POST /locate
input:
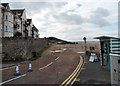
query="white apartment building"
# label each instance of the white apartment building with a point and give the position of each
(17, 24)
(7, 20)
(29, 27)
(22, 19)
(0, 22)
(15, 20)
(35, 33)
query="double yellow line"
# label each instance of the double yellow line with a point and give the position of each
(8, 68)
(72, 76)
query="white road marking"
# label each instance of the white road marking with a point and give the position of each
(12, 79)
(46, 66)
(57, 58)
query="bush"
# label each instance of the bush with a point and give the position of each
(39, 54)
(18, 34)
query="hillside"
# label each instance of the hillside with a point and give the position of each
(57, 40)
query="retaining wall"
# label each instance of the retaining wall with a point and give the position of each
(21, 48)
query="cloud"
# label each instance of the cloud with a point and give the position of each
(99, 17)
(78, 5)
(45, 9)
(69, 19)
(101, 12)
(100, 21)
(72, 20)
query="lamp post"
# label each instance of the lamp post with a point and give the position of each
(85, 43)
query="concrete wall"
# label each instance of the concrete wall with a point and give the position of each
(96, 45)
(115, 68)
(20, 48)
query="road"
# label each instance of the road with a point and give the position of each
(51, 68)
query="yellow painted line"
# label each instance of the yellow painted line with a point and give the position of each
(83, 68)
(80, 70)
(68, 80)
(8, 68)
(75, 73)
(70, 76)
(77, 79)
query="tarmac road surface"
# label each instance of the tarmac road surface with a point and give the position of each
(52, 68)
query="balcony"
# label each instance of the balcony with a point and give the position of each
(16, 26)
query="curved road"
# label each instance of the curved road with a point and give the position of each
(52, 68)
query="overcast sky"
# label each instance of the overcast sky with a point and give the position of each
(72, 20)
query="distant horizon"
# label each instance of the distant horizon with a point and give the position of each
(96, 40)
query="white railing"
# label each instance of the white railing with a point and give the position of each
(115, 45)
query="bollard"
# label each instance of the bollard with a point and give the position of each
(17, 70)
(30, 67)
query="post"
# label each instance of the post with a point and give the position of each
(85, 44)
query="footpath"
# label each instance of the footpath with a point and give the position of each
(93, 73)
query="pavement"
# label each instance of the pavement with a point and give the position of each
(93, 74)
(9, 64)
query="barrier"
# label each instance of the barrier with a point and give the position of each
(17, 70)
(30, 67)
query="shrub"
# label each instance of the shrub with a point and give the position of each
(39, 54)
(18, 34)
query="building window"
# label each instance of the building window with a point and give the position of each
(6, 17)
(92, 48)
(6, 29)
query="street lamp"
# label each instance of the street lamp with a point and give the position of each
(85, 43)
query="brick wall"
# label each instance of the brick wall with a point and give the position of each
(21, 48)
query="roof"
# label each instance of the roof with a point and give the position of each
(106, 37)
(5, 7)
(34, 28)
(29, 20)
(18, 11)
(5, 4)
